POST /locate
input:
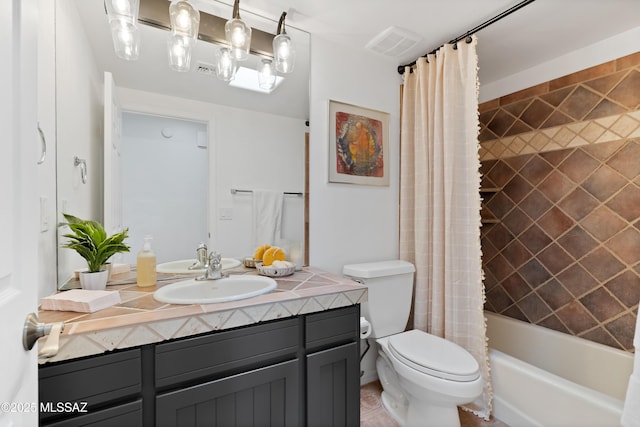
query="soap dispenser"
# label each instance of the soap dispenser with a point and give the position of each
(146, 265)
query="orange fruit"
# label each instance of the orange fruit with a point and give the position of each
(259, 253)
(274, 253)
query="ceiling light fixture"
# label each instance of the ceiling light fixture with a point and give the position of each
(225, 64)
(185, 22)
(284, 53)
(266, 75)
(123, 19)
(238, 34)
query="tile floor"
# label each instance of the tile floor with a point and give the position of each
(372, 413)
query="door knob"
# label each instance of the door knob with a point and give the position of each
(34, 329)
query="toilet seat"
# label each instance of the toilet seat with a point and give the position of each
(434, 356)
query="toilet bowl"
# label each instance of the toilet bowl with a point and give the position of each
(424, 377)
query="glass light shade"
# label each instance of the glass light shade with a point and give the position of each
(238, 36)
(266, 74)
(123, 10)
(284, 53)
(225, 64)
(126, 40)
(185, 19)
(179, 49)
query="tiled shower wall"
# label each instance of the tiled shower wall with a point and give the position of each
(561, 244)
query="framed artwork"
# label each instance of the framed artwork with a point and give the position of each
(358, 145)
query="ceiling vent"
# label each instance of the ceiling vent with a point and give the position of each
(393, 41)
(206, 69)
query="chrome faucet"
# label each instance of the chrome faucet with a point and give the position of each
(201, 258)
(213, 268)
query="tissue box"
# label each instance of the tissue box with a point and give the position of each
(80, 300)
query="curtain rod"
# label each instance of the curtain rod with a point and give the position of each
(288, 193)
(474, 30)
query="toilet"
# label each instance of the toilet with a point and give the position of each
(424, 377)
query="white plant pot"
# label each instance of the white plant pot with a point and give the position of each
(94, 281)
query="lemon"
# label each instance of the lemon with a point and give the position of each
(274, 253)
(259, 253)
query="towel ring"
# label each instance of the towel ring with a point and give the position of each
(83, 168)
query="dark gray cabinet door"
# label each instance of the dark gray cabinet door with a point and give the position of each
(262, 397)
(129, 414)
(333, 388)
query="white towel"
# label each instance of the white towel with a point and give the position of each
(631, 411)
(267, 217)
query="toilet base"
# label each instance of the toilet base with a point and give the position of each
(397, 411)
(422, 414)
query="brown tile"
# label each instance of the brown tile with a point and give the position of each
(602, 151)
(578, 204)
(499, 299)
(556, 186)
(489, 281)
(554, 294)
(516, 221)
(535, 239)
(581, 76)
(488, 249)
(534, 273)
(552, 322)
(499, 236)
(517, 188)
(577, 242)
(604, 109)
(500, 267)
(626, 245)
(579, 103)
(602, 223)
(626, 160)
(535, 204)
(515, 313)
(516, 253)
(485, 116)
(517, 162)
(554, 258)
(577, 280)
(556, 97)
(517, 128)
(556, 157)
(604, 182)
(555, 222)
(626, 92)
(536, 113)
(534, 308)
(606, 83)
(489, 105)
(501, 122)
(517, 108)
(601, 264)
(626, 203)
(625, 287)
(578, 166)
(576, 317)
(486, 135)
(557, 118)
(536, 170)
(622, 329)
(500, 173)
(515, 287)
(601, 336)
(601, 304)
(628, 61)
(529, 92)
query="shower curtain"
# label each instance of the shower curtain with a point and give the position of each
(440, 201)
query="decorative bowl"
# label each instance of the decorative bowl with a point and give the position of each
(250, 262)
(276, 271)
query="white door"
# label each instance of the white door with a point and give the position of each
(112, 157)
(19, 153)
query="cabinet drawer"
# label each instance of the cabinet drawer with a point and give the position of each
(129, 414)
(333, 327)
(96, 380)
(228, 351)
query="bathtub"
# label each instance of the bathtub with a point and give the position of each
(542, 377)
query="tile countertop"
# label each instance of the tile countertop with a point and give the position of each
(139, 319)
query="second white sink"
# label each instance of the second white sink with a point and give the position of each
(182, 266)
(211, 291)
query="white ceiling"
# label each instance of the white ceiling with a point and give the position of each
(539, 32)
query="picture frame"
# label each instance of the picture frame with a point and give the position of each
(358, 145)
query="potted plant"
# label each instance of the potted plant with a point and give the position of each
(89, 239)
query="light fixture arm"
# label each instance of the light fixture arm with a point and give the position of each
(281, 29)
(236, 9)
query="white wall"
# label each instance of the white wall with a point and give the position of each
(247, 150)
(79, 109)
(603, 51)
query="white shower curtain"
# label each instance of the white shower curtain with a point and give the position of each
(440, 201)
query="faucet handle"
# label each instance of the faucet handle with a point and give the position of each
(215, 256)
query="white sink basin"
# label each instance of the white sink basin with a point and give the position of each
(210, 291)
(182, 266)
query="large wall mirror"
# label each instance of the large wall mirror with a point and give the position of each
(187, 139)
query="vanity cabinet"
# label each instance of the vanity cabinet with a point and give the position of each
(297, 371)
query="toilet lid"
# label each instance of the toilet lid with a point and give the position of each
(434, 356)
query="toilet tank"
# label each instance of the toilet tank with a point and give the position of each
(389, 288)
